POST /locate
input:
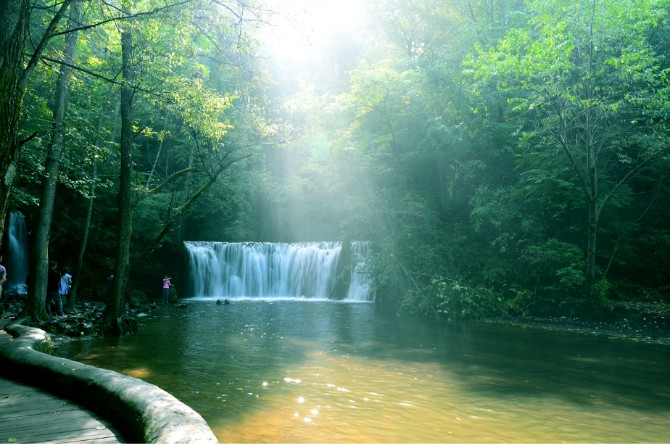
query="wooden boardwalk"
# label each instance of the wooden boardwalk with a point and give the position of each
(29, 414)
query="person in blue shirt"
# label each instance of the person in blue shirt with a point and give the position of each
(63, 289)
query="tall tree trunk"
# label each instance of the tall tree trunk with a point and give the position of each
(14, 15)
(113, 317)
(39, 263)
(14, 22)
(592, 171)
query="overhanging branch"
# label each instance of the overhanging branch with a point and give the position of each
(164, 183)
(43, 42)
(177, 214)
(125, 17)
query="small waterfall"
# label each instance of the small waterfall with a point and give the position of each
(17, 255)
(268, 270)
(359, 288)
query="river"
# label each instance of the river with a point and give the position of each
(320, 371)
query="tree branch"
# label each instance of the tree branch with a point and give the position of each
(84, 70)
(101, 77)
(625, 178)
(42, 44)
(159, 237)
(164, 183)
(27, 139)
(126, 17)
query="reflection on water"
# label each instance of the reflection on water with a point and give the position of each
(291, 371)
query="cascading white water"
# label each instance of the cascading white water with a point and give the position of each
(17, 255)
(359, 288)
(270, 270)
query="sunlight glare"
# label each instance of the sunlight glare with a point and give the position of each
(301, 27)
(140, 373)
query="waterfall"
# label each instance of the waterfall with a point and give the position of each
(359, 288)
(17, 255)
(271, 270)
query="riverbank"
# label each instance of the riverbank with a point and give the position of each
(638, 322)
(84, 321)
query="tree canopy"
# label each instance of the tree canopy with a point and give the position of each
(503, 157)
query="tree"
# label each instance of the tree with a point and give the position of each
(586, 74)
(14, 76)
(14, 17)
(113, 319)
(39, 262)
(157, 84)
(409, 132)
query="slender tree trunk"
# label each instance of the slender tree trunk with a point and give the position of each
(187, 192)
(593, 210)
(592, 171)
(79, 266)
(72, 296)
(39, 258)
(14, 15)
(160, 148)
(591, 254)
(113, 317)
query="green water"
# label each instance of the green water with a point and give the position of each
(290, 371)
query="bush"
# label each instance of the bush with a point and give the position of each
(452, 300)
(137, 298)
(555, 267)
(520, 302)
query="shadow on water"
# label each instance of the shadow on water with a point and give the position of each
(234, 360)
(501, 360)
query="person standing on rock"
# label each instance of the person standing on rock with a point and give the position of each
(53, 285)
(64, 289)
(166, 289)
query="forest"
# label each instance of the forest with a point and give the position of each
(503, 157)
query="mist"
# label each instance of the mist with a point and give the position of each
(310, 50)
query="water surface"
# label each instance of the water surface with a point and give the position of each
(298, 371)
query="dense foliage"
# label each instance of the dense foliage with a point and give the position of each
(504, 157)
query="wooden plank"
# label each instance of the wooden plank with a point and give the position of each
(28, 414)
(27, 404)
(27, 410)
(75, 420)
(31, 410)
(47, 435)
